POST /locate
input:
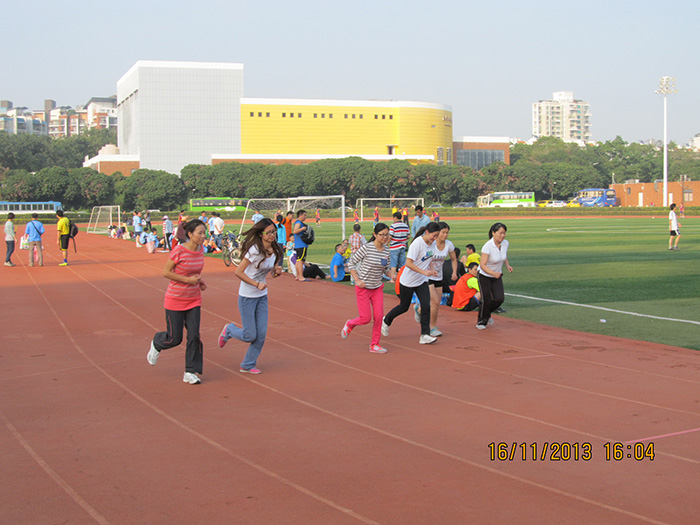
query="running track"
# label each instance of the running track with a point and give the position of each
(329, 433)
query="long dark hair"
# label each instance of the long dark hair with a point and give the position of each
(380, 226)
(253, 237)
(431, 227)
(497, 226)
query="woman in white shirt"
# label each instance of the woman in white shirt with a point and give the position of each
(414, 279)
(674, 227)
(260, 255)
(444, 249)
(494, 255)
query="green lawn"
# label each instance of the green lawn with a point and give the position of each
(616, 263)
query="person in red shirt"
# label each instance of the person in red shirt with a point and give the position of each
(183, 301)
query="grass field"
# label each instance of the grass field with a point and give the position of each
(615, 263)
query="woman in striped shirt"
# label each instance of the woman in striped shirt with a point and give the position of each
(183, 301)
(367, 265)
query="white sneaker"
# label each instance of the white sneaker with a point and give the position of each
(426, 339)
(416, 312)
(435, 332)
(385, 329)
(191, 378)
(376, 349)
(152, 356)
(481, 327)
(490, 320)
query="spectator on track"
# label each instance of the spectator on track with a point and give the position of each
(300, 246)
(398, 233)
(467, 296)
(34, 230)
(338, 265)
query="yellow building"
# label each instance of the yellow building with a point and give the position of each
(300, 131)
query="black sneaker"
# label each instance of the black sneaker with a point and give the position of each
(500, 310)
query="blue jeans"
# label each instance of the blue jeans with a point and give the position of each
(253, 312)
(217, 239)
(397, 258)
(10, 250)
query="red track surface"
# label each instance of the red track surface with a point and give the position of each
(329, 433)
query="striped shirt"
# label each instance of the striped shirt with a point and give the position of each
(370, 264)
(183, 296)
(399, 235)
(357, 240)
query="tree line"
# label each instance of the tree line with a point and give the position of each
(548, 167)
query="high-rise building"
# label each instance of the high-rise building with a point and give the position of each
(172, 114)
(563, 117)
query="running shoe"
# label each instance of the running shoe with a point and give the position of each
(152, 356)
(376, 349)
(345, 332)
(435, 332)
(481, 327)
(426, 339)
(491, 321)
(191, 378)
(385, 329)
(250, 370)
(63, 264)
(222, 337)
(416, 312)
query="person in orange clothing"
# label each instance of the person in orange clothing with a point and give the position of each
(467, 294)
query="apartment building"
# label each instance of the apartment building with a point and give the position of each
(564, 117)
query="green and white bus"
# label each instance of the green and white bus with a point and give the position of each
(507, 199)
(218, 204)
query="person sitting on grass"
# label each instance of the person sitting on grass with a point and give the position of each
(467, 296)
(338, 265)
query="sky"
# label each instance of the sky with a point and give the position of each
(488, 60)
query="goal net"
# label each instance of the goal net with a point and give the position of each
(366, 206)
(329, 206)
(102, 217)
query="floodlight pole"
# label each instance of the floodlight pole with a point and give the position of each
(667, 85)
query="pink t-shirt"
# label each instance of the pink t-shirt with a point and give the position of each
(183, 296)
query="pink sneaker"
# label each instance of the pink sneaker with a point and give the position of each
(222, 337)
(376, 349)
(251, 371)
(345, 331)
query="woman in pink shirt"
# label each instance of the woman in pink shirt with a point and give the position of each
(183, 301)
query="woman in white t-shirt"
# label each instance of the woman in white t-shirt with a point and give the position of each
(494, 255)
(260, 255)
(414, 279)
(674, 227)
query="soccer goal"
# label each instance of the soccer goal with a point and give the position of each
(271, 207)
(387, 202)
(102, 217)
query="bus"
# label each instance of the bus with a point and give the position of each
(596, 197)
(507, 199)
(27, 208)
(218, 204)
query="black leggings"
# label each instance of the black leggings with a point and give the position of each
(406, 294)
(176, 322)
(492, 297)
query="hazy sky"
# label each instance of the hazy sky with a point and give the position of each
(488, 60)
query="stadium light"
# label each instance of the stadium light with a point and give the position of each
(667, 86)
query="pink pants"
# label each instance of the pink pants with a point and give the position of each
(370, 304)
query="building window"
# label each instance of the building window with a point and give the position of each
(323, 115)
(383, 117)
(353, 115)
(260, 114)
(361, 115)
(252, 114)
(298, 115)
(391, 117)
(479, 158)
(267, 114)
(330, 115)
(346, 115)
(376, 117)
(284, 115)
(315, 115)
(291, 115)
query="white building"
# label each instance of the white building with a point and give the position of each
(563, 117)
(172, 114)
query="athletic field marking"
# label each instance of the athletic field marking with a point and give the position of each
(604, 309)
(180, 424)
(664, 435)
(94, 514)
